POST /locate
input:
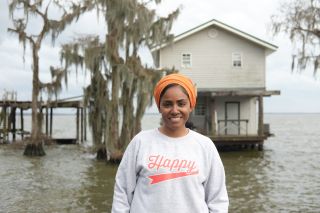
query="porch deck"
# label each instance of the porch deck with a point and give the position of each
(237, 139)
(238, 142)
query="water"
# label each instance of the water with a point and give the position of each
(282, 178)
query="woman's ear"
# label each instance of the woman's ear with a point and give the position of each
(191, 109)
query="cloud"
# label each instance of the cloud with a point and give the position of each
(299, 92)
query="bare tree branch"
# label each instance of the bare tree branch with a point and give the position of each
(300, 19)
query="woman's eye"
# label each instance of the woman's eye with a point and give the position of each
(166, 104)
(181, 104)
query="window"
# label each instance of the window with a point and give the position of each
(200, 107)
(236, 60)
(186, 60)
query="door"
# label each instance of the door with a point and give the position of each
(232, 118)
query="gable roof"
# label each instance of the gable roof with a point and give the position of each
(226, 27)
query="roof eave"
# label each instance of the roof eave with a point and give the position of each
(270, 47)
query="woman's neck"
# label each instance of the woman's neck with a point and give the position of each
(174, 133)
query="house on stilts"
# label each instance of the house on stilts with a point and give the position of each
(229, 69)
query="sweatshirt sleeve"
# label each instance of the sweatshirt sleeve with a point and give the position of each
(215, 186)
(125, 180)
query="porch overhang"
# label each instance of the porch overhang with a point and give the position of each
(238, 93)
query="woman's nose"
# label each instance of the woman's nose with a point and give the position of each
(175, 108)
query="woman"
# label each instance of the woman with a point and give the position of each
(171, 168)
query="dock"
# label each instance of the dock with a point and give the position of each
(11, 109)
(238, 142)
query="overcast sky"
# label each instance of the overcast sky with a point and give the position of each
(299, 92)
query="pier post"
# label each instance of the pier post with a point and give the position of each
(50, 121)
(85, 122)
(13, 117)
(40, 118)
(213, 117)
(207, 122)
(260, 121)
(81, 125)
(5, 129)
(22, 123)
(77, 133)
(47, 121)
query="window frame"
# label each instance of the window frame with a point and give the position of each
(237, 57)
(182, 60)
(200, 108)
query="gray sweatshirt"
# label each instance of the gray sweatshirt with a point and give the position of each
(160, 174)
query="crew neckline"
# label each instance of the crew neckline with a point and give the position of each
(168, 138)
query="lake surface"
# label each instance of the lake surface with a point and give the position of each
(284, 177)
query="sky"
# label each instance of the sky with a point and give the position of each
(300, 92)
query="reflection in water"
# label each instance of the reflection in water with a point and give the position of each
(246, 179)
(97, 189)
(282, 178)
(65, 180)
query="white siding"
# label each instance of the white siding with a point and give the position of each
(212, 60)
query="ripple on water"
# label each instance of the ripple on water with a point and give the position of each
(282, 178)
(58, 182)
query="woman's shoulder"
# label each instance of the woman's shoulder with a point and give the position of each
(138, 139)
(146, 133)
(199, 136)
(202, 139)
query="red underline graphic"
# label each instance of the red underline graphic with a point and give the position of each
(169, 176)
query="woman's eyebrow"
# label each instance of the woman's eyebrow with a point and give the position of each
(184, 99)
(169, 100)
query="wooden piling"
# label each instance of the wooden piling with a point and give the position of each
(5, 133)
(213, 117)
(85, 122)
(13, 117)
(51, 121)
(260, 121)
(81, 125)
(22, 123)
(77, 132)
(40, 119)
(47, 122)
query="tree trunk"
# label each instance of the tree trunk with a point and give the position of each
(101, 152)
(35, 145)
(142, 104)
(33, 149)
(127, 115)
(112, 52)
(96, 117)
(114, 116)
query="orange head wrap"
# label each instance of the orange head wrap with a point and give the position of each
(179, 79)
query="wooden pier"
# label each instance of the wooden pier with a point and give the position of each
(9, 109)
(238, 142)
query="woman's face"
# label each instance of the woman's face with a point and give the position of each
(175, 109)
